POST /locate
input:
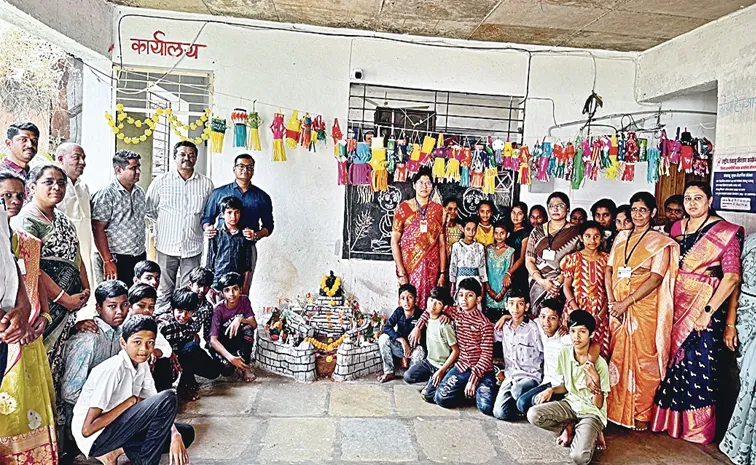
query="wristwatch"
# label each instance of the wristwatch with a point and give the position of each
(707, 309)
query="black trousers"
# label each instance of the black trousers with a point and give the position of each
(125, 266)
(144, 430)
(241, 345)
(162, 373)
(196, 361)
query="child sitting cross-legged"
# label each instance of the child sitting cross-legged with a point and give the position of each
(119, 407)
(147, 272)
(181, 328)
(581, 416)
(393, 342)
(553, 339)
(472, 375)
(441, 342)
(523, 356)
(232, 334)
(163, 364)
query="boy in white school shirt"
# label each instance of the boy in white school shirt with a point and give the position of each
(119, 407)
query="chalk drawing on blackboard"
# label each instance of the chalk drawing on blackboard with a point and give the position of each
(362, 225)
(471, 199)
(390, 199)
(364, 194)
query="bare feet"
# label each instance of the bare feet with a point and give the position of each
(565, 439)
(385, 377)
(111, 458)
(641, 425)
(601, 442)
(247, 375)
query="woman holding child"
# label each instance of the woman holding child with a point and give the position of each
(548, 244)
(640, 277)
(418, 244)
(27, 431)
(709, 273)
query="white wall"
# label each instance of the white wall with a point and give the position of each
(311, 73)
(721, 54)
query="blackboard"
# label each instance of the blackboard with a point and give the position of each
(368, 215)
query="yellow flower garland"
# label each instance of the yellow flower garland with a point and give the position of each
(326, 347)
(330, 292)
(122, 118)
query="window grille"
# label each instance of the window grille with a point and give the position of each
(187, 94)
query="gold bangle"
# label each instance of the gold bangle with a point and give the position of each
(633, 297)
(47, 317)
(731, 326)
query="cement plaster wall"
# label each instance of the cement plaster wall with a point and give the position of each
(720, 55)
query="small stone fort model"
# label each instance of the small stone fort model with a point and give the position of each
(323, 336)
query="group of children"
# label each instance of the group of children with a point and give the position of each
(553, 374)
(127, 355)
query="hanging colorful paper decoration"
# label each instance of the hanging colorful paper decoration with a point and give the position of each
(686, 152)
(218, 132)
(305, 136)
(578, 165)
(654, 164)
(253, 139)
(360, 170)
(489, 175)
(277, 128)
(400, 175)
(477, 168)
(379, 176)
(466, 164)
(523, 170)
(391, 155)
(340, 152)
(674, 148)
(319, 128)
(239, 118)
(543, 154)
(631, 156)
(336, 133)
(439, 164)
(413, 164)
(293, 126)
(452, 173)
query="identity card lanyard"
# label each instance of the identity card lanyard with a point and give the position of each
(550, 254)
(423, 211)
(626, 271)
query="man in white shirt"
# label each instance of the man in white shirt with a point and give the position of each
(175, 204)
(76, 206)
(119, 407)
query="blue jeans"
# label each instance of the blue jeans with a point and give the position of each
(527, 399)
(451, 390)
(505, 407)
(419, 372)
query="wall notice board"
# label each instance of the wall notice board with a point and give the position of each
(734, 185)
(368, 215)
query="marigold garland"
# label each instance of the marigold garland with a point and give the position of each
(326, 347)
(122, 118)
(330, 292)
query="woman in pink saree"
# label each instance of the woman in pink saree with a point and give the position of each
(709, 273)
(418, 244)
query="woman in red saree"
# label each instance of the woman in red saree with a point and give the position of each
(709, 273)
(640, 277)
(418, 244)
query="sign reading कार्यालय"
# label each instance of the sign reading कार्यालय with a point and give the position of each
(734, 185)
(158, 46)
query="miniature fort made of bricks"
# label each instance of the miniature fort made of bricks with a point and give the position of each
(324, 337)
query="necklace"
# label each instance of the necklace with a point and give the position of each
(503, 246)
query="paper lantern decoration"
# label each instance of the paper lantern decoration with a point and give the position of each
(239, 118)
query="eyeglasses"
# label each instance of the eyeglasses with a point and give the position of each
(425, 183)
(50, 182)
(641, 210)
(242, 166)
(10, 195)
(557, 206)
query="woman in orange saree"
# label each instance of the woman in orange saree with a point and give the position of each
(709, 273)
(418, 244)
(640, 278)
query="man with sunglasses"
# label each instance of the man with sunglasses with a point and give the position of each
(257, 208)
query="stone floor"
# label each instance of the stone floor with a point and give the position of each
(275, 420)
